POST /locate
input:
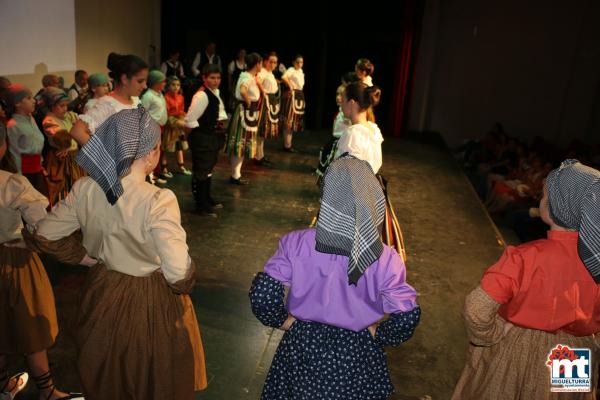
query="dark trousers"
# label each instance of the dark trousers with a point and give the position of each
(205, 148)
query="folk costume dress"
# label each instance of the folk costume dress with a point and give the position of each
(339, 285)
(364, 142)
(241, 135)
(293, 103)
(548, 289)
(136, 331)
(27, 306)
(268, 125)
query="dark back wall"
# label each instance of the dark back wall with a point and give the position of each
(330, 40)
(532, 65)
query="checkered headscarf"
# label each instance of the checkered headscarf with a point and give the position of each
(574, 203)
(124, 137)
(351, 215)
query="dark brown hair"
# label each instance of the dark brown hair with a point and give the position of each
(128, 65)
(365, 96)
(365, 65)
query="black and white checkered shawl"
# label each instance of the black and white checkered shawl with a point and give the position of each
(574, 203)
(124, 137)
(351, 215)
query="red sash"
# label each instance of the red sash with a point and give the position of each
(31, 163)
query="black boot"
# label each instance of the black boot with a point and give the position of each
(199, 189)
(195, 187)
(215, 204)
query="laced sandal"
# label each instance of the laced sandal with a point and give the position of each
(44, 382)
(9, 393)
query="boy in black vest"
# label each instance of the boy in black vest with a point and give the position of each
(205, 119)
(78, 92)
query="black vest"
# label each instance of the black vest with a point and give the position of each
(205, 60)
(236, 74)
(74, 87)
(207, 122)
(174, 71)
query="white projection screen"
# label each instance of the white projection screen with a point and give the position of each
(37, 32)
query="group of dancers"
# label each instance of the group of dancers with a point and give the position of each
(348, 298)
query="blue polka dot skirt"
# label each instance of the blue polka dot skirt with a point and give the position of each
(317, 361)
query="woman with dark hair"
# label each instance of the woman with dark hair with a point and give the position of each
(241, 135)
(362, 139)
(292, 103)
(129, 74)
(340, 124)
(268, 125)
(136, 331)
(364, 69)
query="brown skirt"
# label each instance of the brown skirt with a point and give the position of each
(27, 308)
(170, 134)
(289, 118)
(515, 366)
(137, 339)
(391, 233)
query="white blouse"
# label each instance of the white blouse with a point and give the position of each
(268, 81)
(18, 201)
(340, 124)
(91, 103)
(249, 81)
(296, 77)
(362, 142)
(105, 107)
(198, 106)
(138, 235)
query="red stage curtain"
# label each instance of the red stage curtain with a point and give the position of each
(405, 59)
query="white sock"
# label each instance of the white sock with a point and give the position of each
(287, 138)
(260, 147)
(236, 167)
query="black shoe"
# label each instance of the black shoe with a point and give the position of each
(216, 205)
(213, 203)
(290, 150)
(206, 212)
(263, 162)
(240, 181)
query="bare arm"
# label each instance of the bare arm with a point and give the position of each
(287, 81)
(244, 94)
(80, 132)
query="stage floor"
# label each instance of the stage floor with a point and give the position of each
(450, 242)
